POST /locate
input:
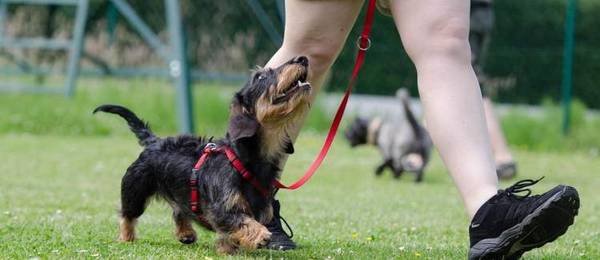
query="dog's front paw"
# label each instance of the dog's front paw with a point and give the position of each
(264, 237)
(187, 236)
(251, 235)
(226, 247)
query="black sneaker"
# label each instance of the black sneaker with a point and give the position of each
(280, 240)
(508, 225)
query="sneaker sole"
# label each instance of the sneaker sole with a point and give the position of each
(285, 247)
(536, 229)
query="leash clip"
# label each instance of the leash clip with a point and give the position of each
(210, 147)
(363, 43)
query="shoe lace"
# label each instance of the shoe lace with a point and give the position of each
(519, 187)
(280, 219)
(291, 234)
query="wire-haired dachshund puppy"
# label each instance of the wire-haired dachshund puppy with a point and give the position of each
(404, 144)
(261, 113)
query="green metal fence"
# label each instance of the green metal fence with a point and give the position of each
(532, 55)
(172, 52)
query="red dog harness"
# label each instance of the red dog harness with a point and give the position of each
(210, 149)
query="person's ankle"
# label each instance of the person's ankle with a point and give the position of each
(503, 159)
(476, 202)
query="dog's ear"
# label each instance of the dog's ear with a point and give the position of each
(241, 123)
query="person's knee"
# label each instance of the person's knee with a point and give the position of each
(448, 40)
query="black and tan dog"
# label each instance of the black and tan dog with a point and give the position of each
(404, 144)
(270, 103)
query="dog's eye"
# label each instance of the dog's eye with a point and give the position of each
(259, 76)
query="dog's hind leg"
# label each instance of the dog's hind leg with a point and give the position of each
(398, 171)
(379, 170)
(184, 231)
(419, 176)
(137, 186)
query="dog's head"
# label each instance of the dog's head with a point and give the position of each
(273, 99)
(357, 132)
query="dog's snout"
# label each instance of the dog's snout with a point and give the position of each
(303, 60)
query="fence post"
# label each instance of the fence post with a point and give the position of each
(3, 14)
(76, 48)
(178, 67)
(567, 78)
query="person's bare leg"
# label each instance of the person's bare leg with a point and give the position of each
(435, 35)
(317, 29)
(501, 152)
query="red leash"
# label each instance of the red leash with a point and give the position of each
(364, 43)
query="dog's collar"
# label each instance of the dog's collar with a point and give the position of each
(373, 130)
(210, 149)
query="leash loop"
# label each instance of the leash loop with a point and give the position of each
(363, 43)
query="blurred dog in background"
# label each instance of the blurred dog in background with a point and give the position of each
(404, 144)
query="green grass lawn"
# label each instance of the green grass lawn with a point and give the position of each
(59, 199)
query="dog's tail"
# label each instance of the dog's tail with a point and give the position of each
(404, 97)
(137, 126)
